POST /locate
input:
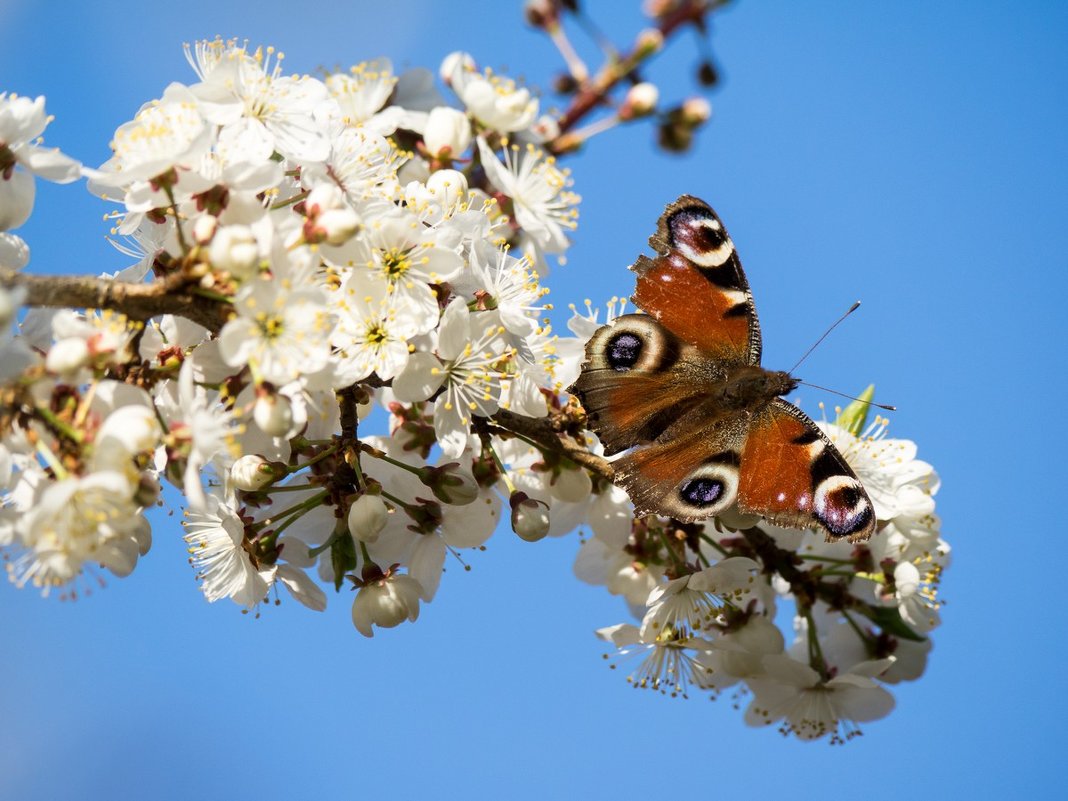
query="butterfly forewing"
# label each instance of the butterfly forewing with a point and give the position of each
(696, 287)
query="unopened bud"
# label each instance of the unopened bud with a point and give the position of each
(649, 41)
(530, 517)
(367, 517)
(252, 472)
(640, 101)
(447, 133)
(273, 414)
(695, 111)
(204, 228)
(234, 250)
(572, 486)
(450, 484)
(67, 356)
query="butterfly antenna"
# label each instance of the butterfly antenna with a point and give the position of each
(852, 309)
(885, 406)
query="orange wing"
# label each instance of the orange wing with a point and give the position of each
(793, 475)
(696, 287)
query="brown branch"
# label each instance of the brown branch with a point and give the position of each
(542, 431)
(174, 294)
(593, 94)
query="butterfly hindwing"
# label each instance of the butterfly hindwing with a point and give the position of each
(635, 381)
(696, 286)
(793, 475)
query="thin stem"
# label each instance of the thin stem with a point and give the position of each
(302, 506)
(59, 426)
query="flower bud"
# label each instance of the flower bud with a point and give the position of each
(334, 227)
(324, 197)
(649, 41)
(14, 252)
(367, 518)
(695, 111)
(386, 603)
(640, 101)
(450, 484)
(530, 517)
(204, 228)
(234, 250)
(67, 356)
(572, 486)
(273, 414)
(252, 472)
(447, 187)
(447, 134)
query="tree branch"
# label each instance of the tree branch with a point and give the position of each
(175, 294)
(542, 431)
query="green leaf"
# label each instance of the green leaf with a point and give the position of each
(854, 417)
(888, 618)
(343, 558)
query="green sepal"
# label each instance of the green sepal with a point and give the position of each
(889, 619)
(854, 417)
(343, 558)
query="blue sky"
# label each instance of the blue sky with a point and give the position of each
(908, 154)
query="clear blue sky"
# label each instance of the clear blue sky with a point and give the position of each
(910, 154)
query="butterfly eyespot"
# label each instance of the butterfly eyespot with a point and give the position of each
(701, 492)
(842, 507)
(623, 351)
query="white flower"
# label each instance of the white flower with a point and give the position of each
(670, 660)
(495, 101)
(282, 332)
(362, 163)
(216, 547)
(372, 329)
(811, 707)
(401, 251)
(22, 121)
(255, 104)
(510, 286)
(363, 92)
(470, 358)
(165, 134)
(386, 603)
(77, 520)
(544, 205)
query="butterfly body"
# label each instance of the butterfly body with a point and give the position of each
(680, 393)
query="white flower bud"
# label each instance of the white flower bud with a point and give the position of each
(642, 99)
(530, 518)
(135, 429)
(67, 356)
(251, 472)
(696, 111)
(273, 414)
(447, 187)
(337, 225)
(204, 228)
(386, 603)
(14, 252)
(572, 486)
(235, 250)
(367, 518)
(324, 197)
(649, 41)
(447, 133)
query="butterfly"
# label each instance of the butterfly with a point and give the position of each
(680, 393)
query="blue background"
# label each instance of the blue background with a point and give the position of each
(910, 154)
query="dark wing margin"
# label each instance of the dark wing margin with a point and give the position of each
(696, 286)
(793, 475)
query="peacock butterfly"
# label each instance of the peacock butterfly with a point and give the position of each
(680, 392)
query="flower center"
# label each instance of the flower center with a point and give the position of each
(395, 263)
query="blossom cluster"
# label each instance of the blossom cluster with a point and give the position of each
(353, 375)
